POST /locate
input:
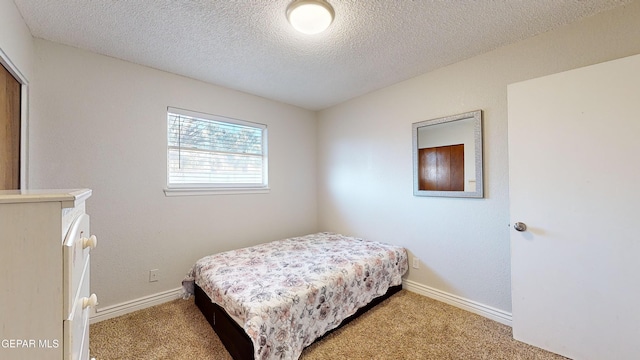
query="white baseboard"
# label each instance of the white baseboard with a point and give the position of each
(126, 307)
(500, 316)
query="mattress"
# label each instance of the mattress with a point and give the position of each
(287, 293)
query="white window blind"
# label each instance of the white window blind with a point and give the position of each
(208, 151)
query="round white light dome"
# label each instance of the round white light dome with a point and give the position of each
(310, 16)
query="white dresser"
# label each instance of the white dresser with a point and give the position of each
(44, 274)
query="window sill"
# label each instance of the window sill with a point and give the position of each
(214, 191)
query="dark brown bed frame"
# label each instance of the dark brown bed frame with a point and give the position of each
(236, 340)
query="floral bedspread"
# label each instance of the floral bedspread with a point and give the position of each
(289, 292)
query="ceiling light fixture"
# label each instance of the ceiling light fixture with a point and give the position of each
(310, 16)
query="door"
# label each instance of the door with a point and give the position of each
(9, 131)
(574, 168)
(441, 168)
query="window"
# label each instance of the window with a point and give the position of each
(214, 153)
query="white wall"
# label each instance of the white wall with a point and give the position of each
(17, 56)
(15, 38)
(100, 123)
(365, 161)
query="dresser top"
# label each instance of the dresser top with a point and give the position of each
(69, 196)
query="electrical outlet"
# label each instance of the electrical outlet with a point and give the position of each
(416, 263)
(154, 275)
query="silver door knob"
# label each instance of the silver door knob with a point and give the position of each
(519, 226)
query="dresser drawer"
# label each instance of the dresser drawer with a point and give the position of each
(76, 247)
(76, 326)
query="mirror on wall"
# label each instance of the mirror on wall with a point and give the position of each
(447, 156)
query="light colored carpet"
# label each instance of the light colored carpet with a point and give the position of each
(406, 326)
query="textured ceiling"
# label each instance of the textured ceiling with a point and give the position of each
(248, 45)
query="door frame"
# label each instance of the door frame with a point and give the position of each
(24, 117)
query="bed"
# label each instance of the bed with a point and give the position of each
(272, 300)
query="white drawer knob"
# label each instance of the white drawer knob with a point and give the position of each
(91, 242)
(91, 301)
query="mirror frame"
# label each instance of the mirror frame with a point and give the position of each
(476, 116)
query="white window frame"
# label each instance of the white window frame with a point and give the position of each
(217, 188)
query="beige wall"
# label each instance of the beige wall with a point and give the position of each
(365, 162)
(100, 123)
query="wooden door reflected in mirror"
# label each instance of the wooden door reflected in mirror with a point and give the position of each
(441, 168)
